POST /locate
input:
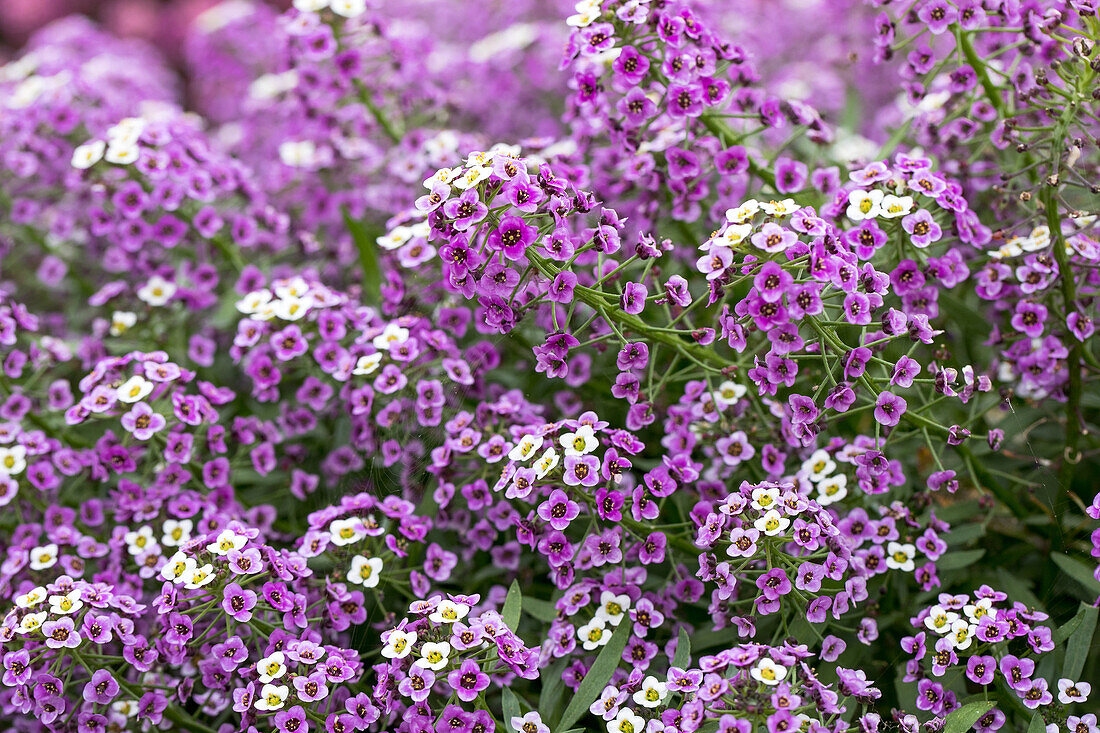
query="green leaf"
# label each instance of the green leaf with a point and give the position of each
(965, 717)
(1078, 571)
(1037, 725)
(683, 650)
(597, 678)
(1080, 641)
(540, 609)
(510, 703)
(957, 560)
(512, 606)
(550, 696)
(1064, 631)
(364, 236)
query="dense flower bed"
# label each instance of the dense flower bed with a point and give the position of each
(629, 366)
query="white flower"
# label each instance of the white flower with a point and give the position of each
(139, 541)
(744, 212)
(443, 175)
(175, 533)
(290, 308)
(473, 176)
(588, 12)
(768, 672)
(900, 556)
(780, 208)
(367, 364)
(1070, 692)
(594, 634)
(979, 608)
(227, 541)
(529, 723)
(627, 721)
(13, 460)
(31, 598)
(434, 655)
(271, 667)
(177, 566)
(134, 389)
(961, 634)
(126, 132)
(121, 154)
(764, 499)
(613, 608)
(254, 301)
(772, 523)
(864, 204)
(272, 697)
(394, 238)
(652, 693)
(349, 8)
(31, 622)
(448, 612)
(546, 463)
(197, 577)
(310, 6)
(122, 321)
(832, 489)
(88, 154)
(346, 531)
(581, 442)
(391, 335)
(298, 153)
(364, 571)
(940, 619)
(729, 393)
(43, 557)
(64, 605)
(819, 465)
(525, 448)
(893, 207)
(157, 291)
(398, 644)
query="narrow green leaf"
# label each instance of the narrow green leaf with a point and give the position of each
(1078, 571)
(683, 650)
(1066, 630)
(540, 609)
(510, 703)
(364, 237)
(597, 678)
(552, 689)
(965, 717)
(1038, 725)
(956, 560)
(512, 606)
(1080, 642)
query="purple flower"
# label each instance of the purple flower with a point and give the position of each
(889, 408)
(633, 298)
(466, 211)
(938, 14)
(980, 669)
(512, 237)
(559, 510)
(923, 230)
(102, 688)
(561, 288)
(61, 634)
(238, 602)
(417, 686)
(1029, 318)
(774, 584)
(312, 687)
(581, 471)
(143, 422)
(468, 680)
